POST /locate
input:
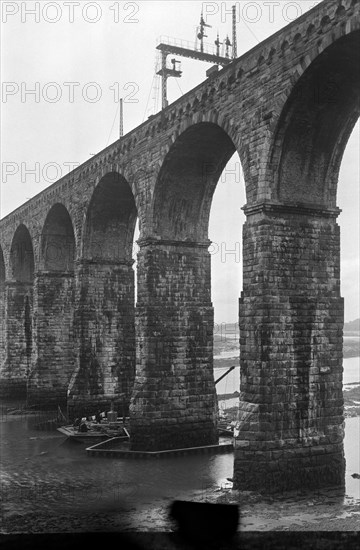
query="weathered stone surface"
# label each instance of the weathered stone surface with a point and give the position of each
(104, 328)
(292, 469)
(2, 311)
(54, 355)
(18, 340)
(287, 337)
(174, 399)
(287, 107)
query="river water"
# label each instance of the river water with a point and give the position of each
(42, 471)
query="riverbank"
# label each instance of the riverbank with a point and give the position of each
(325, 510)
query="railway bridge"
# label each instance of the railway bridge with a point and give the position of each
(69, 328)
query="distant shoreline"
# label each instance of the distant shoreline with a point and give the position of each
(224, 347)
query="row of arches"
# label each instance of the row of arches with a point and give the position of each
(108, 234)
(70, 307)
(290, 310)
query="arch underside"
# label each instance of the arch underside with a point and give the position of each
(187, 181)
(18, 315)
(174, 399)
(104, 320)
(58, 240)
(111, 220)
(53, 357)
(22, 256)
(316, 124)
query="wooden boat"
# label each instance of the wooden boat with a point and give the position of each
(95, 432)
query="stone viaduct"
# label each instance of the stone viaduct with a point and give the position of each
(69, 326)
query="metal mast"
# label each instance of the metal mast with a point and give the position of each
(121, 129)
(217, 44)
(165, 73)
(234, 42)
(202, 34)
(227, 46)
(183, 50)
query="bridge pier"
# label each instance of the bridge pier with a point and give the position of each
(174, 399)
(291, 319)
(54, 357)
(2, 314)
(18, 345)
(104, 328)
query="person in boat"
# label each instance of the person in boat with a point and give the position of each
(77, 422)
(83, 427)
(98, 417)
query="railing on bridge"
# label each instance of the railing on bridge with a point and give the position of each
(209, 49)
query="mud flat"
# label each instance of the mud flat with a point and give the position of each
(321, 512)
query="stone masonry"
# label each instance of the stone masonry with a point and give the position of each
(70, 331)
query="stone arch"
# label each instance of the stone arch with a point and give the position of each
(187, 180)
(110, 220)
(221, 87)
(284, 47)
(310, 30)
(195, 104)
(325, 23)
(296, 40)
(58, 240)
(174, 311)
(340, 11)
(104, 319)
(22, 256)
(53, 360)
(239, 74)
(231, 79)
(271, 55)
(315, 124)
(212, 93)
(19, 316)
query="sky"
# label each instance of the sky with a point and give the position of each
(64, 66)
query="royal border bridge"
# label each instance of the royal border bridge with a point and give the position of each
(69, 328)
